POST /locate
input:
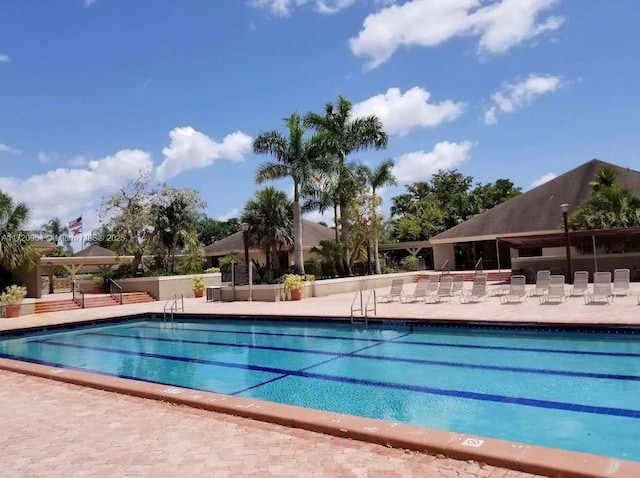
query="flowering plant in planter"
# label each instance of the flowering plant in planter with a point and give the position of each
(294, 284)
(198, 285)
(98, 284)
(11, 298)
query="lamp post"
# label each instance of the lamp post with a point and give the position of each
(565, 210)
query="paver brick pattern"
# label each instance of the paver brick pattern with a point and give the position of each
(51, 429)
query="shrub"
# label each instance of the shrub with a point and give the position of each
(98, 281)
(293, 282)
(198, 283)
(212, 270)
(13, 295)
(313, 268)
(409, 263)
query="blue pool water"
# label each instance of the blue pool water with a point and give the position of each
(573, 390)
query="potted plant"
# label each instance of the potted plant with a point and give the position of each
(293, 284)
(198, 286)
(11, 298)
(98, 284)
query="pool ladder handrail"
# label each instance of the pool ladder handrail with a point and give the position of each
(364, 306)
(171, 306)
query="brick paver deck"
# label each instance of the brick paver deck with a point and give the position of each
(55, 429)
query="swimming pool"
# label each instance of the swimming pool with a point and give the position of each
(571, 390)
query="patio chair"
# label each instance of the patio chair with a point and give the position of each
(477, 292)
(499, 290)
(621, 278)
(443, 292)
(602, 290)
(542, 283)
(517, 290)
(424, 287)
(395, 293)
(457, 285)
(580, 284)
(556, 292)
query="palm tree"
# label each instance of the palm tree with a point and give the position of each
(338, 135)
(294, 159)
(16, 248)
(55, 232)
(605, 178)
(377, 178)
(268, 216)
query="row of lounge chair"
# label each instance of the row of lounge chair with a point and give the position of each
(549, 288)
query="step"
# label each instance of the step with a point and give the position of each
(92, 302)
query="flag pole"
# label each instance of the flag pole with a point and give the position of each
(82, 232)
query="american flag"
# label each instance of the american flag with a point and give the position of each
(75, 226)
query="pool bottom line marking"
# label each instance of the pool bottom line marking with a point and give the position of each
(444, 363)
(548, 404)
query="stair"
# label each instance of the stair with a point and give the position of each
(92, 302)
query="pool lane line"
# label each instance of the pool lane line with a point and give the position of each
(430, 344)
(357, 354)
(531, 402)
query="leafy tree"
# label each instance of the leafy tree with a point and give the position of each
(56, 233)
(294, 158)
(338, 135)
(16, 247)
(173, 214)
(608, 206)
(269, 217)
(211, 230)
(126, 213)
(194, 258)
(105, 237)
(377, 178)
(427, 209)
(330, 253)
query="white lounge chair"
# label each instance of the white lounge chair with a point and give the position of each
(621, 278)
(580, 284)
(443, 292)
(478, 290)
(602, 290)
(395, 293)
(457, 285)
(517, 290)
(424, 287)
(542, 283)
(556, 292)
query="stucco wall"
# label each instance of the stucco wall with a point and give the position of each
(162, 288)
(531, 265)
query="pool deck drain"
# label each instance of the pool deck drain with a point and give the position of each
(514, 456)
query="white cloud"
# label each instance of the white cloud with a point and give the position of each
(45, 158)
(401, 112)
(190, 149)
(420, 165)
(283, 8)
(6, 149)
(65, 193)
(78, 161)
(88, 3)
(4, 58)
(498, 25)
(511, 97)
(235, 212)
(317, 216)
(543, 179)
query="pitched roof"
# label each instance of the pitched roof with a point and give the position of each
(538, 210)
(94, 251)
(312, 234)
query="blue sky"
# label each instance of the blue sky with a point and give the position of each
(91, 91)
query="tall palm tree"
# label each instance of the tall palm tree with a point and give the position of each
(294, 158)
(377, 178)
(268, 216)
(55, 232)
(16, 248)
(339, 135)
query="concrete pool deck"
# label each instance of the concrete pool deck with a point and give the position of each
(623, 311)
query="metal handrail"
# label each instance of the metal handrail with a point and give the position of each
(372, 293)
(353, 303)
(445, 269)
(78, 294)
(117, 296)
(172, 304)
(478, 267)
